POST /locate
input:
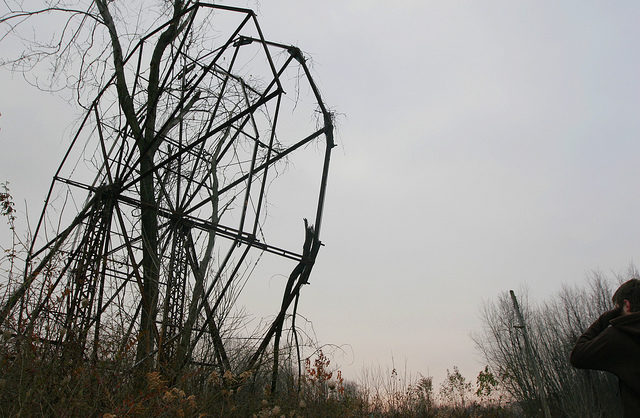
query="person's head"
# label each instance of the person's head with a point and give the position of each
(628, 291)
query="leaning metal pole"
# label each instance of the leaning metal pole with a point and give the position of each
(530, 356)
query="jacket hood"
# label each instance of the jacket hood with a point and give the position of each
(628, 324)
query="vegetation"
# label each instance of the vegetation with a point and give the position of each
(33, 385)
(554, 326)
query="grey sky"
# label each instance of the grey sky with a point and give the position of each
(485, 145)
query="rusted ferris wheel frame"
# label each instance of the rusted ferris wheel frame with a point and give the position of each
(103, 230)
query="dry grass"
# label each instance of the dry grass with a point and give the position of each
(37, 383)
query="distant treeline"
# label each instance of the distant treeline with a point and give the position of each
(553, 327)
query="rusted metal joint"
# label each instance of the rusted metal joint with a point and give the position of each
(296, 53)
(108, 191)
(242, 40)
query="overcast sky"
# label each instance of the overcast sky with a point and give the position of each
(482, 146)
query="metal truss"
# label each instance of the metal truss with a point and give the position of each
(218, 147)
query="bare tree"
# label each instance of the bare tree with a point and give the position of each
(554, 327)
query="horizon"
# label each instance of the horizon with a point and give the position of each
(481, 148)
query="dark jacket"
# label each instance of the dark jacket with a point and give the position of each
(614, 349)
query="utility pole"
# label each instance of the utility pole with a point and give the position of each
(530, 358)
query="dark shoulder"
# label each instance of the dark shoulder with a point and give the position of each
(627, 326)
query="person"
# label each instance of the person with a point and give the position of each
(612, 344)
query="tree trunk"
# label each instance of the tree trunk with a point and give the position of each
(150, 266)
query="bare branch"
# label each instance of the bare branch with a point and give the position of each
(126, 103)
